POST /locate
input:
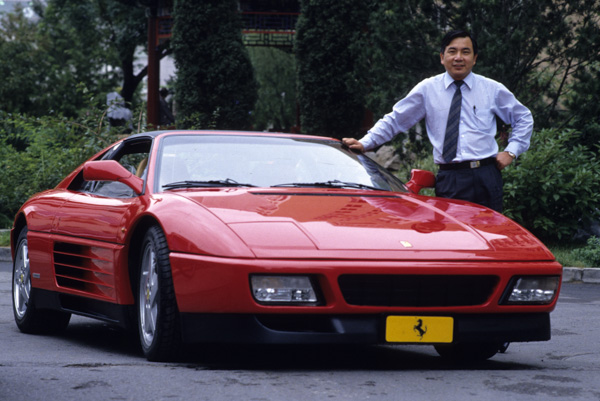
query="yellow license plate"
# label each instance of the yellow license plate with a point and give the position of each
(419, 329)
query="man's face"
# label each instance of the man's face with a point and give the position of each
(458, 58)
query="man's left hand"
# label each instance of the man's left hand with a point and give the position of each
(503, 159)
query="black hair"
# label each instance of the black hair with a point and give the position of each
(450, 36)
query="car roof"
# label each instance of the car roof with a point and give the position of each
(154, 134)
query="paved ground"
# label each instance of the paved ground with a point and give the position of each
(93, 361)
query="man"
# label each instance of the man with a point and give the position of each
(166, 117)
(460, 110)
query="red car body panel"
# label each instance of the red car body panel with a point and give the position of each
(341, 224)
(409, 231)
(82, 244)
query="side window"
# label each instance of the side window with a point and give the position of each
(133, 156)
(136, 163)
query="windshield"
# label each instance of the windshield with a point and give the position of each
(187, 161)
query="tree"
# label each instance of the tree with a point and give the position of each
(71, 44)
(111, 31)
(403, 50)
(126, 31)
(215, 84)
(19, 65)
(583, 99)
(73, 55)
(540, 49)
(276, 75)
(330, 38)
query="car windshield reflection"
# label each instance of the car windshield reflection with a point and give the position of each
(192, 161)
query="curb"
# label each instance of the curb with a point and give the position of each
(5, 255)
(588, 275)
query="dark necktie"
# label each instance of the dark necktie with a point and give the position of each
(451, 137)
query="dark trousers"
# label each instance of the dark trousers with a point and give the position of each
(481, 185)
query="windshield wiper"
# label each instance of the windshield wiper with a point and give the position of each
(206, 184)
(329, 184)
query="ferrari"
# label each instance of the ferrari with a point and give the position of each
(202, 237)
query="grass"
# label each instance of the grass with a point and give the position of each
(4, 238)
(565, 258)
(565, 254)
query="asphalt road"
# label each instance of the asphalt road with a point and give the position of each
(93, 361)
(5, 266)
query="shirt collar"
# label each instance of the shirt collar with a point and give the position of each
(469, 80)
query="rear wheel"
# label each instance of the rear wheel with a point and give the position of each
(158, 317)
(28, 317)
(468, 352)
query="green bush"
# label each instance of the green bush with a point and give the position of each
(48, 156)
(553, 189)
(4, 238)
(37, 153)
(590, 254)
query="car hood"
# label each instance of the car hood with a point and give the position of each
(308, 223)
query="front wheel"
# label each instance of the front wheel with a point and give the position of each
(158, 316)
(29, 318)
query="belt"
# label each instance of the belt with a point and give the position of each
(468, 164)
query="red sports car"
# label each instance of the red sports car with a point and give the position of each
(245, 237)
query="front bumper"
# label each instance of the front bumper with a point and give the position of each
(207, 285)
(351, 329)
(216, 303)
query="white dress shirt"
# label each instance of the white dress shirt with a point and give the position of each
(483, 100)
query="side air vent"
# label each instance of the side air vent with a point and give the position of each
(84, 269)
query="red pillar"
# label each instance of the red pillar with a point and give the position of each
(153, 71)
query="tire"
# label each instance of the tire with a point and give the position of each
(157, 313)
(29, 318)
(468, 352)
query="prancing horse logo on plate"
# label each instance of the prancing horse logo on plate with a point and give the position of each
(420, 329)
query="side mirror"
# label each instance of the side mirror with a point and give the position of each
(420, 179)
(110, 170)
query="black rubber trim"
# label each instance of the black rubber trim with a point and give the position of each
(348, 329)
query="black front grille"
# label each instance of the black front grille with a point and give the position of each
(416, 290)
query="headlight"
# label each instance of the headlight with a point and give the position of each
(283, 289)
(539, 290)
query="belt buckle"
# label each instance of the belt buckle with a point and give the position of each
(474, 164)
